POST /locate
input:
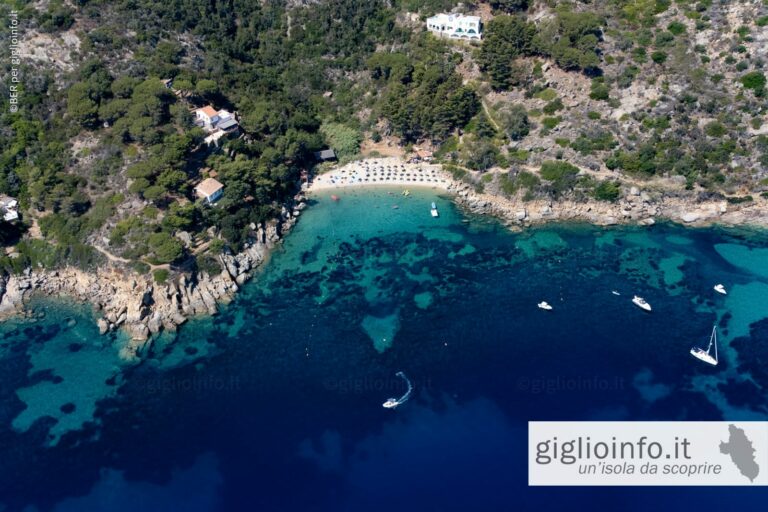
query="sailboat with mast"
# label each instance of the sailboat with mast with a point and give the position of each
(705, 355)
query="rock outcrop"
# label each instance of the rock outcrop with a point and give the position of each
(132, 302)
(636, 207)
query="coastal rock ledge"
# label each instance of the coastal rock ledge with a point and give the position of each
(133, 302)
(635, 207)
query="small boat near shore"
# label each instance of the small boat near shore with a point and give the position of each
(704, 355)
(544, 305)
(641, 303)
(335, 197)
(434, 210)
(719, 288)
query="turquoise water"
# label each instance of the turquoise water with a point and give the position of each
(70, 367)
(275, 403)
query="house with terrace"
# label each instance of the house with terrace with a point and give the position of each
(456, 26)
(218, 123)
(212, 120)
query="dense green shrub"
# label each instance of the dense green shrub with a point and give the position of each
(754, 80)
(676, 28)
(740, 199)
(550, 122)
(553, 106)
(607, 191)
(600, 91)
(596, 140)
(560, 175)
(514, 121)
(715, 129)
(160, 275)
(510, 184)
(166, 248)
(552, 171)
(659, 57)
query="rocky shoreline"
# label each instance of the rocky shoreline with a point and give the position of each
(134, 303)
(636, 207)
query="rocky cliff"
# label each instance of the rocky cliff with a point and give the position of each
(129, 301)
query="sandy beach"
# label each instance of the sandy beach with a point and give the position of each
(643, 206)
(382, 171)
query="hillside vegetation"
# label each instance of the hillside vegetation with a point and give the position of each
(560, 99)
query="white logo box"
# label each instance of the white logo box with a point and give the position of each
(591, 453)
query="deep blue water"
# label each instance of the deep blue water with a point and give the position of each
(275, 404)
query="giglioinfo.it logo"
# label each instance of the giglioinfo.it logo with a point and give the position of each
(647, 453)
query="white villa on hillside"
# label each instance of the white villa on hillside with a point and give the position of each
(206, 116)
(211, 119)
(218, 123)
(456, 26)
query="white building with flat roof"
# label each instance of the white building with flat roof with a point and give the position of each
(456, 26)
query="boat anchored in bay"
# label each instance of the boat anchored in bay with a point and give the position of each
(544, 305)
(641, 303)
(434, 210)
(704, 355)
(719, 288)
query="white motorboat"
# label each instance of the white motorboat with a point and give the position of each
(641, 303)
(615, 292)
(544, 305)
(434, 210)
(719, 288)
(704, 355)
(392, 403)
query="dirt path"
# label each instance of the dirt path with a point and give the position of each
(489, 116)
(110, 256)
